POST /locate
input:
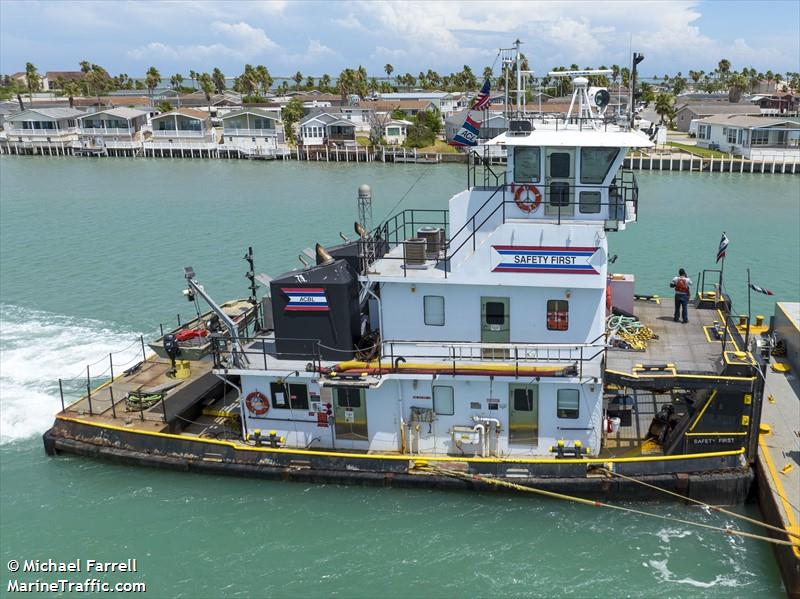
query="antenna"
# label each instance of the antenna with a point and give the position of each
(251, 276)
(581, 93)
(365, 206)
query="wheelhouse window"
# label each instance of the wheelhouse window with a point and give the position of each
(443, 401)
(527, 164)
(433, 307)
(568, 403)
(557, 315)
(559, 165)
(589, 202)
(289, 396)
(596, 162)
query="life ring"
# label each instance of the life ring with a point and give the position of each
(526, 205)
(257, 403)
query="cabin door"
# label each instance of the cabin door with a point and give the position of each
(560, 182)
(495, 325)
(523, 415)
(350, 414)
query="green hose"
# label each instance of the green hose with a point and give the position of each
(136, 402)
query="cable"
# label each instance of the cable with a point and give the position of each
(405, 195)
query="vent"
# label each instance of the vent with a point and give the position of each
(414, 252)
(433, 237)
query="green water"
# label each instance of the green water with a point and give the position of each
(91, 255)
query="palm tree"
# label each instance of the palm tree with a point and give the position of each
(32, 79)
(695, 76)
(737, 83)
(297, 78)
(309, 84)
(325, 82)
(615, 72)
(152, 79)
(207, 85)
(724, 67)
(193, 76)
(86, 66)
(176, 81)
(263, 78)
(219, 80)
(665, 106)
(389, 70)
(71, 89)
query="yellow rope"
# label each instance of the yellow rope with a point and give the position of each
(595, 503)
(702, 504)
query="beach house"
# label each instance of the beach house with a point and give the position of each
(253, 131)
(114, 128)
(756, 138)
(37, 128)
(326, 128)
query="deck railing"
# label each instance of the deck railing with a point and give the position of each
(106, 131)
(179, 133)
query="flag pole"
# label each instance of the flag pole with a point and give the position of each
(747, 334)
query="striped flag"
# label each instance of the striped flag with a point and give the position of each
(723, 247)
(482, 101)
(763, 290)
(468, 134)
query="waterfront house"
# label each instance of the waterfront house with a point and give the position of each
(55, 80)
(756, 138)
(55, 128)
(253, 130)
(395, 131)
(445, 102)
(779, 104)
(326, 128)
(184, 126)
(691, 111)
(408, 107)
(114, 128)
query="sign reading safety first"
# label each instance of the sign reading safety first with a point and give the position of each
(543, 259)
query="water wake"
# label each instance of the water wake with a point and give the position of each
(36, 349)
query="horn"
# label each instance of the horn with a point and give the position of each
(322, 255)
(360, 230)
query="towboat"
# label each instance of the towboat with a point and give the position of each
(465, 348)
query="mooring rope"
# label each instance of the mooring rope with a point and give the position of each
(595, 503)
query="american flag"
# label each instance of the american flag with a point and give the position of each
(723, 247)
(483, 99)
(763, 290)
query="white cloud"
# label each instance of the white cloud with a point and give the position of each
(349, 22)
(241, 40)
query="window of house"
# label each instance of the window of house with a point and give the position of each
(443, 401)
(759, 137)
(289, 396)
(589, 202)
(595, 163)
(393, 131)
(433, 307)
(559, 165)
(568, 403)
(527, 164)
(557, 315)
(732, 136)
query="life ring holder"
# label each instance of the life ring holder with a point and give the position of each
(524, 205)
(257, 403)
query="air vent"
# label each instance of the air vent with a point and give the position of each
(414, 252)
(434, 237)
(518, 127)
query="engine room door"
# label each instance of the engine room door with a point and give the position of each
(560, 182)
(523, 415)
(350, 414)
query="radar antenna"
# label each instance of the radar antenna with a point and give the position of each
(588, 99)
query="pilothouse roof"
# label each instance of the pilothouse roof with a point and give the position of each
(573, 137)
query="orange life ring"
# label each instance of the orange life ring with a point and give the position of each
(526, 205)
(257, 403)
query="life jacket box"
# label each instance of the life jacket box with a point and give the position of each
(623, 288)
(315, 312)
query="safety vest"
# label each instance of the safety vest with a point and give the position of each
(682, 285)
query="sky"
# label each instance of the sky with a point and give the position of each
(325, 37)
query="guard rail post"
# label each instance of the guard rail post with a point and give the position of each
(61, 393)
(113, 408)
(89, 390)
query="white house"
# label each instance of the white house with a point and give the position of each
(756, 138)
(184, 125)
(395, 131)
(254, 130)
(322, 128)
(115, 128)
(42, 127)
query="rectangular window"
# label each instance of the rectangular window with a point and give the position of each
(289, 396)
(568, 403)
(527, 165)
(760, 137)
(559, 194)
(433, 307)
(523, 400)
(348, 397)
(731, 136)
(443, 401)
(557, 315)
(495, 313)
(589, 202)
(595, 163)
(559, 165)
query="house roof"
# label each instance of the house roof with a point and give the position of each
(191, 113)
(398, 122)
(113, 101)
(327, 118)
(49, 113)
(390, 105)
(122, 112)
(720, 108)
(68, 75)
(257, 111)
(418, 95)
(748, 122)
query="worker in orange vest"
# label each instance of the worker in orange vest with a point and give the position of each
(681, 284)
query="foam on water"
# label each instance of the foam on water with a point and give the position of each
(36, 349)
(662, 570)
